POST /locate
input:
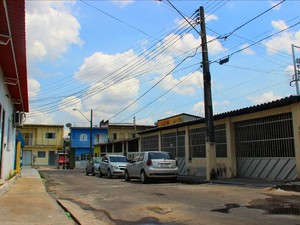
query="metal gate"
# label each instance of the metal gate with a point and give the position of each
(27, 158)
(265, 148)
(51, 160)
(175, 144)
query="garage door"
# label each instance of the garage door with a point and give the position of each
(27, 158)
(265, 148)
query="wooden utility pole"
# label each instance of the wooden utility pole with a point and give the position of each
(208, 108)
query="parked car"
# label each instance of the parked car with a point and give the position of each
(93, 166)
(150, 165)
(113, 165)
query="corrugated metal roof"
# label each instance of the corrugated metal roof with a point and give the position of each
(16, 80)
(251, 109)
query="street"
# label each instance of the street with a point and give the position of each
(171, 203)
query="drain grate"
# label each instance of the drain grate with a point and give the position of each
(286, 210)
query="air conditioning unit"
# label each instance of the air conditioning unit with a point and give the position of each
(19, 119)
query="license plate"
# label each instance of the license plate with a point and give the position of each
(164, 165)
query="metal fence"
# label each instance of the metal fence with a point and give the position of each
(265, 137)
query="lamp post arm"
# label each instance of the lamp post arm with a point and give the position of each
(82, 114)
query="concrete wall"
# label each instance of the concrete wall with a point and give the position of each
(8, 145)
(227, 166)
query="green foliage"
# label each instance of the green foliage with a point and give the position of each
(42, 176)
(12, 174)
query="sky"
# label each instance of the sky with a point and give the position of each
(141, 58)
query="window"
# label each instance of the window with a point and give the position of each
(115, 136)
(150, 143)
(27, 138)
(50, 135)
(141, 157)
(83, 137)
(41, 154)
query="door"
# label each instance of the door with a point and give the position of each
(51, 160)
(27, 158)
(138, 165)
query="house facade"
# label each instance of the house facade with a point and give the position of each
(13, 83)
(80, 142)
(42, 143)
(123, 138)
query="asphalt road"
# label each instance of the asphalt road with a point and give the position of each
(172, 203)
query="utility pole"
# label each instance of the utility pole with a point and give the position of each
(91, 135)
(208, 108)
(296, 67)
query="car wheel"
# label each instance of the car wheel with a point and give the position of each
(144, 178)
(127, 177)
(109, 175)
(93, 172)
(86, 172)
(100, 174)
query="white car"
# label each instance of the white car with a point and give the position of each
(113, 165)
(152, 165)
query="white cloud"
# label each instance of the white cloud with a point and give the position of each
(188, 42)
(50, 28)
(247, 50)
(47, 118)
(273, 3)
(198, 109)
(290, 71)
(105, 68)
(182, 22)
(190, 83)
(279, 24)
(34, 87)
(283, 41)
(210, 17)
(122, 3)
(264, 98)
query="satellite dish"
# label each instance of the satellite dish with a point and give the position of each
(68, 125)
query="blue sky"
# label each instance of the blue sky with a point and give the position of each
(141, 58)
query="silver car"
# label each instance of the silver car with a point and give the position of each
(113, 165)
(150, 165)
(93, 166)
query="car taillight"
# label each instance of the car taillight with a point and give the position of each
(149, 162)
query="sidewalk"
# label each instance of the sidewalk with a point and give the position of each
(27, 202)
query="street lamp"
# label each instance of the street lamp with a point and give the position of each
(91, 129)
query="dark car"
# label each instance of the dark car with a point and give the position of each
(93, 165)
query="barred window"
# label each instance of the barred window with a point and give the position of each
(197, 143)
(221, 141)
(174, 143)
(150, 143)
(265, 137)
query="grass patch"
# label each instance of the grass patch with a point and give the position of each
(43, 177)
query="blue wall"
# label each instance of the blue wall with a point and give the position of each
(83, 147)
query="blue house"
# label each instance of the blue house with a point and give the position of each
(80, 142)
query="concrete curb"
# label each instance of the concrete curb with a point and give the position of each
(7, 184)
(80, 216)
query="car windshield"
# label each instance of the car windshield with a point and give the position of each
(160, 155)
(118, 159)
(97, 160)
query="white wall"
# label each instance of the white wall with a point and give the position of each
(8, 148)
